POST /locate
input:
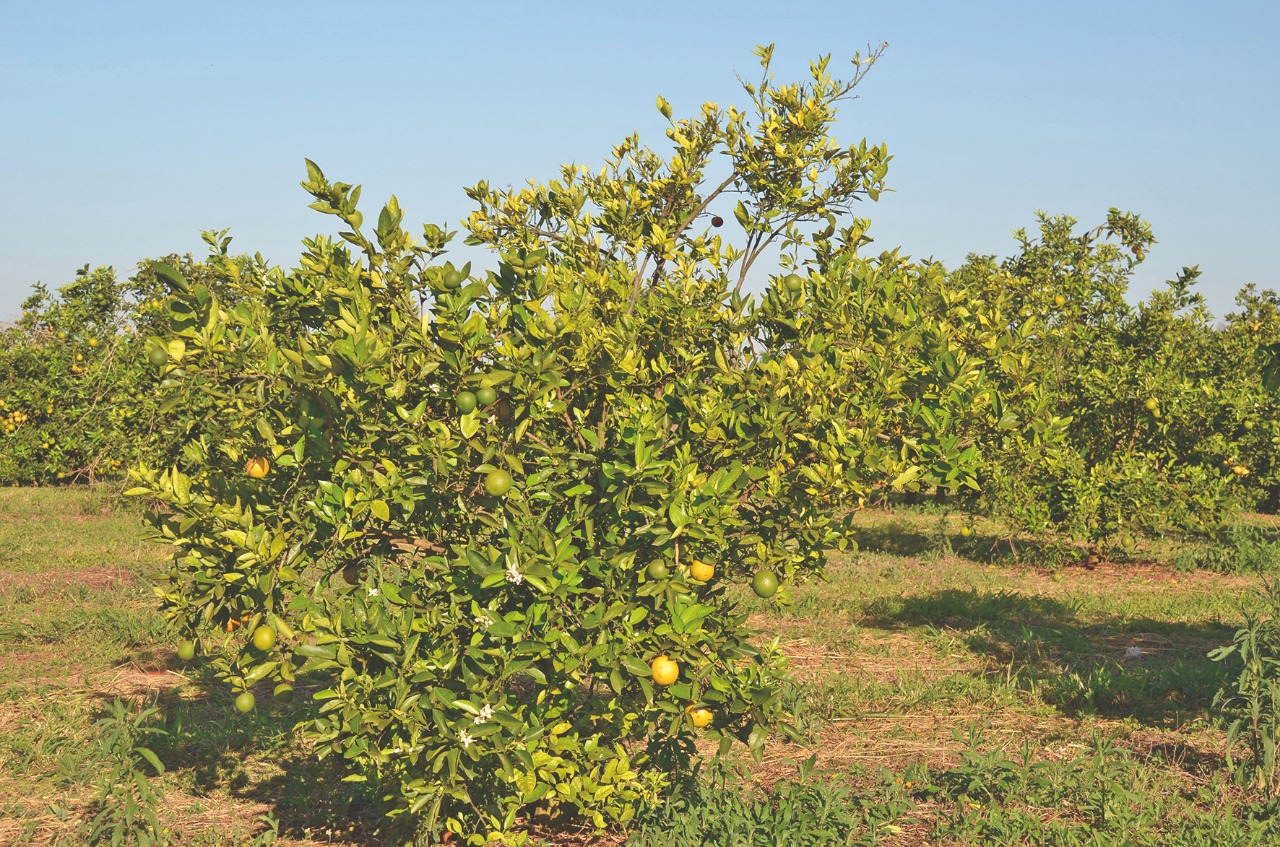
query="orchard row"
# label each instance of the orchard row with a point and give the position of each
(498, 518)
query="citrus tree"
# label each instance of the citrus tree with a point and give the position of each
(1241, 354)
(1127, 420)
(499, 517)
(80, 370)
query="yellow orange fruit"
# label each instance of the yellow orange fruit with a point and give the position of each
(257, 467)
(665, 670)
(264, 638)
(701, 571)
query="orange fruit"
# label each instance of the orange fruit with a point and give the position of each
(497, 483)
(765, 584)
(701, 716)
(701, 571)
(665, 670)
(257, 467)
(264, 638)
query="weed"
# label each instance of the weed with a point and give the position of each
(1240, 548)
(801, 812)
(1252, 702)
(126, 800)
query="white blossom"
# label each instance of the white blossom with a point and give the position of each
(493, 419)
(465, 738)
(513, 573)
(373, 592)
(483, 621)
(435, 386)
(486, 712)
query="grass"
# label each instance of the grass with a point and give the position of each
(956, 695)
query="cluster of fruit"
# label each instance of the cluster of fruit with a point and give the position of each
(14, 419)
(666, 670)
(1237, 468)
(483, 397)
(263, 640)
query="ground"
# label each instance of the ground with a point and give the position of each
(977, 699)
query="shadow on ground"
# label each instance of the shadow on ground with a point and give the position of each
(259, 759)
(1156, 672)
(916, 539)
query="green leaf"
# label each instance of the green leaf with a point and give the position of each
(151, 758)
(636, 666)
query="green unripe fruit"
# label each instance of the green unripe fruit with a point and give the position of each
(452, 278)
(1248, 425)
(658, 570)
(764, 584)
(1152, 404)
(497, 483)
(351, 574)
(264, 638)
(486, 396)
(283, 693)
(793, 283)
(466, 402)
(157, 357)
(245, 702)
(187, 651)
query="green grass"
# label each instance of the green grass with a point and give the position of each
(955, 695)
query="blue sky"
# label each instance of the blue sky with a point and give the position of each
(127, 128)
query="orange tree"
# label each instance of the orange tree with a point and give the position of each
(1121, 420)
(79, 373)
(499, 516)
(63, 366)
(1242, 353)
